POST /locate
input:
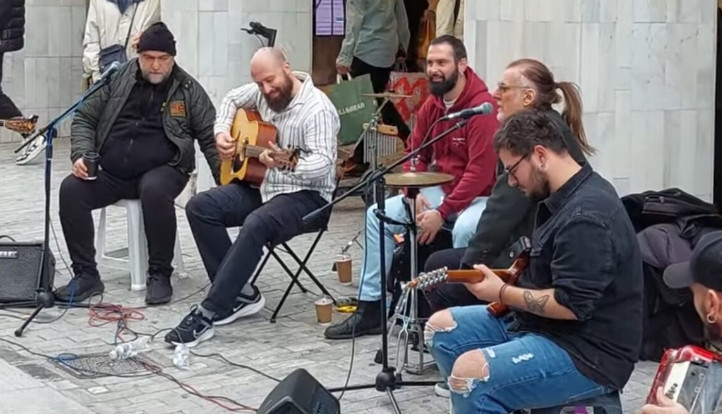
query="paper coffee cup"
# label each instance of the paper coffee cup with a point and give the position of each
(343, 268)
(324, 310)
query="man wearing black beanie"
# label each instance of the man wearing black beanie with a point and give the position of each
(142, 126)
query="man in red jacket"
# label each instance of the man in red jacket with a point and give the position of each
(466, 153)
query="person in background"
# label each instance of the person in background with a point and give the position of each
(111, 22)
(12, 38)
(449, 17)
(377, 34)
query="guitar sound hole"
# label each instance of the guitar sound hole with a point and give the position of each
(237, 163)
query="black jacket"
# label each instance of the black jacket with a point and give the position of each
(12, 25)
(509, 215)
(189, 114)
(584, 247)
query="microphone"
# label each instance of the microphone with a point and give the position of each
(113, 68)
(484, 108)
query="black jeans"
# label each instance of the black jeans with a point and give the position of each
(156, 189)
(448, 294)
(231, 265)
(379, 79)
(8, 109)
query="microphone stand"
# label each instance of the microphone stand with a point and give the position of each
(45, 297)
(386, 378)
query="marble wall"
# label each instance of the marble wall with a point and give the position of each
(646, 69)
(45, 77)
(212, 47)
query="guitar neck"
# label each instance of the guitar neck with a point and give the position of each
(253, 151)
(476, 276)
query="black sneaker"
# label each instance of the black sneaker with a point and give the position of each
(79, 289)
(244, 306)
(193, 329)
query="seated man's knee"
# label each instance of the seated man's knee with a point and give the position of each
(72, 190)
(462, 233)
(470, 368)
(441, 321)
(198, 205)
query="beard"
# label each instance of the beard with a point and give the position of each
(439, 88)
(156, 78)
(283, 97)
(540, 185)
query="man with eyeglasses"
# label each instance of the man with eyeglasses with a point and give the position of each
(575, 326)
(140, 130)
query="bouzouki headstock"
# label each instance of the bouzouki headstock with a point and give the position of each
(436, 277)
(21, 125)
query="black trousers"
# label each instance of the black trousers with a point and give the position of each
(379, 79)
(157, 190)
(8, 109)
(230, 266)
(448, 294)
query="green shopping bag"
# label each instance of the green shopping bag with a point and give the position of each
(353, 108)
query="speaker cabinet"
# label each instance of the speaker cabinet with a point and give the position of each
(298, 393)
(24, 271)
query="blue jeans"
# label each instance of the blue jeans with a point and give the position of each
(464, 229)
(522, 370)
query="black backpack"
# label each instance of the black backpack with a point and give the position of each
(668, 205)
(669, 317)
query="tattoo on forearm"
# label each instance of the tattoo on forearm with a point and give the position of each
(535, 305)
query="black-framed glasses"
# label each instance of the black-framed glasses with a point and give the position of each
(513, 167)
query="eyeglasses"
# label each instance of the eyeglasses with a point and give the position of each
(513, 167)
(504, 88)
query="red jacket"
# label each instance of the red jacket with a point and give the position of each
(467, 153)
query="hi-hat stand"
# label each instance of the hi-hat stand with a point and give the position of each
(386, 379)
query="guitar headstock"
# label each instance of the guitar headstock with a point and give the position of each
(21, 125)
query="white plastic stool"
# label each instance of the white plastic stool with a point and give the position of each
(137, 260)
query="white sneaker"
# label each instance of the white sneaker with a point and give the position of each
(31, 151)
(442, 389)
(244, 306)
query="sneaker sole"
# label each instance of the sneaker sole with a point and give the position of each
(247, 311)
(95, 290)
(205, 337)
(358, 333)
(441, 392)
(159, 301)
(30, 156)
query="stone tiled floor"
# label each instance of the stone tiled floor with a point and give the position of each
(33, 384)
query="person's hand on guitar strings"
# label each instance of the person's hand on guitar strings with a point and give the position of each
(488, 289)
(226, 145)
(268, 159)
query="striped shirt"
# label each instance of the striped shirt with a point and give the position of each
(310, 123)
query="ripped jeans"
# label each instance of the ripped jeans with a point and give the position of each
(491, 370)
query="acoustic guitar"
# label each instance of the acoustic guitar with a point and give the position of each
(20, 125)
(253, 136)
(510, 276)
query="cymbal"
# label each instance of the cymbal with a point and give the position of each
(417, 179)
(386, 95)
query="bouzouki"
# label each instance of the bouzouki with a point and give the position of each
(510, 276)
(253, 136)
(20, 125)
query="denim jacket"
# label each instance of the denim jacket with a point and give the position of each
(584, 246)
